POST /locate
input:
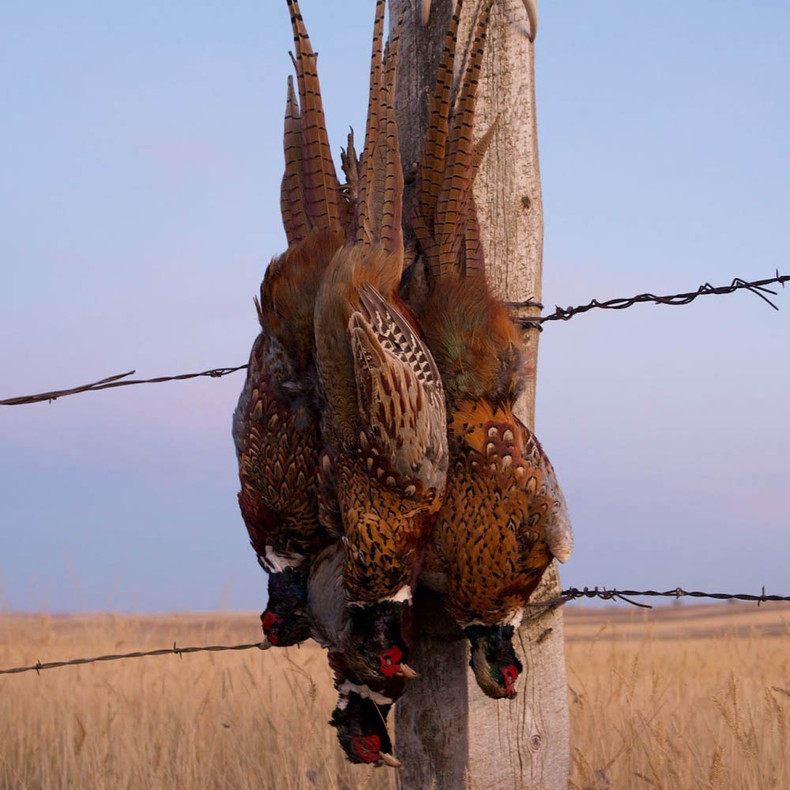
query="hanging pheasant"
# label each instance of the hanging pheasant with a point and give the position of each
(276, 423)
(364, 695)
(384, 424)
(503, 517)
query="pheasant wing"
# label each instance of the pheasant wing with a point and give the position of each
(399, 388)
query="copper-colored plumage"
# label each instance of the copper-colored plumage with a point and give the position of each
(384, 422)
(503, 517)
(365, 694)
(384, 429)
(276, 423)
(319, 181)
(491, 535)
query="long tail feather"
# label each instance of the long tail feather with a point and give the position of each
(473, 257)
(432, 161)
(452, 206)
(381, 175)
(366, 214)
(320, 185)
(392, 198)
(295, 219)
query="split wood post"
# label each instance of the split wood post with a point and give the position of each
(448, 734)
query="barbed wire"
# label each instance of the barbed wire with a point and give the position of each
(757, 287)
(167, 651)
(544, 608)
(115, 381)
(605, 594)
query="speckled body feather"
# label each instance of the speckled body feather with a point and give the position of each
(490, 543)
(276, 425)
(503, 518)
(384, 424)
(365, 694)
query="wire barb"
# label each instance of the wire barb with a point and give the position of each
(119, 380)
(542, 608)
(574, 593)
(757, 287)
(175, 650)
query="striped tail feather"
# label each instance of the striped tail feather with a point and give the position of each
(472, 255)
(452, 205)
(366, 213)
(292, 206)
(380, 194)
(320, 188)
(392, 197)
(431, 167)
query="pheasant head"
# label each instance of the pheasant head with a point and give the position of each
(285, 621)
(494, 659)
(384, 419)
(362, 730)
(375, 638)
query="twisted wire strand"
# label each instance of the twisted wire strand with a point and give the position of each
(539, 609)
(757, 287)
(167, 651)
(119, 380)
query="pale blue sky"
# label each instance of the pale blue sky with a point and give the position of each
(139, 168)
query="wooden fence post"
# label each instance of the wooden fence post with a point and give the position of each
(448, 734)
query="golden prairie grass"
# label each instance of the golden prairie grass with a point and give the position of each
(208, 720)
(681, 697)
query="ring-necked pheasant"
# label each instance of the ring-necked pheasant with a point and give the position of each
(362, 730)
(364, 696)
(276, 423)
(384, 424)
(503, 517)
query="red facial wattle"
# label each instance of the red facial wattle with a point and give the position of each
(390, 661)
(510, 675)
(271, 626)
(367, 747)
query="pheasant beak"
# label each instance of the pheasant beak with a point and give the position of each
(510, 674)
(391, 761)
(407, 672)
(368, 749)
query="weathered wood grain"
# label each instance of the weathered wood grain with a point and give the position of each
(448, 734)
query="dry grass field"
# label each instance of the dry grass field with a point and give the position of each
(680, 697)
(677, 697)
